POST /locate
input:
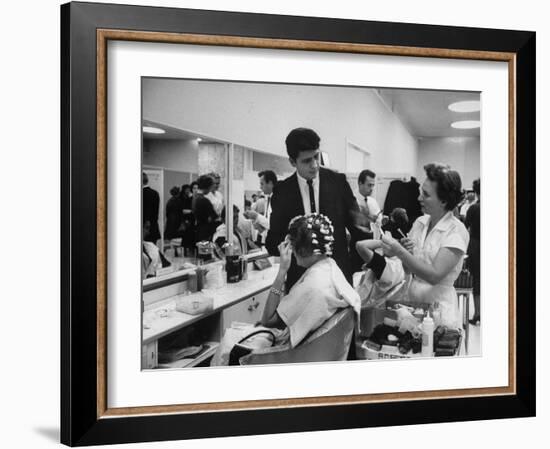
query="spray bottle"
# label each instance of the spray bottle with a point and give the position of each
(427, 336)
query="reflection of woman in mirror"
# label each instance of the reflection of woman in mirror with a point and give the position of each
(151, 257)
(206, 218)
(215, 196)
(188, 221)
(239, 240)
(174, 215)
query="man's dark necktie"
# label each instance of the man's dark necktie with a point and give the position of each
(311, 196)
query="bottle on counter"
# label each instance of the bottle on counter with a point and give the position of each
(232, 263)
(428, 328)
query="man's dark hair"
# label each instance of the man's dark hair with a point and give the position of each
(205, 182)
(301, 139)
(477, 186)
(144, 178)
(448, 184)
(363, 175)
(269, 176)
(175, 191)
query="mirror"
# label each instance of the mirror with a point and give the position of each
(183, 197)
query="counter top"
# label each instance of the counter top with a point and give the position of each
(162, 318)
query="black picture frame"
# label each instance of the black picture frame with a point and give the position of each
(82, 423)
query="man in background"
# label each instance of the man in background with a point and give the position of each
(311, 188)
(150, 205)
(260, 221)
(368, 206)
(215, 196)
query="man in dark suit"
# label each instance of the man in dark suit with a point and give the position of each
(150, 207)
(311, 188)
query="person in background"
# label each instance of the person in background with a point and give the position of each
(368, 206)
(268, 180)
(174, 215)
(369, 213)
(468, 201)
(434, 249)
(215, 196)
(206, 218)
(320, 292)
(152, 258)
(311, 189)
(186, 197)
(151, 202)
(474, 248)
(220, 236)
(194, 187)
(397, 224)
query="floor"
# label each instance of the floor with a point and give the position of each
(474, 337)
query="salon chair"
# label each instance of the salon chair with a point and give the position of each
(329, 342)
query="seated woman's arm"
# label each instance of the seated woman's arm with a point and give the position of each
(365, 248)
(445, 260)
(270, 317)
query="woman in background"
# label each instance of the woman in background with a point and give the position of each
(174, 215)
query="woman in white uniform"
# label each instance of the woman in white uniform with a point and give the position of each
(434, 249)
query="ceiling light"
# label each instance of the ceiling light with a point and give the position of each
(466, 124)
(199, 139)
(465, 106)
(153, 130)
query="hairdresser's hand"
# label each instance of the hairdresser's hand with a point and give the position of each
(408, 244)
(285, 253)
(390, 246)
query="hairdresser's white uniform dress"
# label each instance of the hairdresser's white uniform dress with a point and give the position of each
(449, 232)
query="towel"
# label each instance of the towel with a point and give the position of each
(317, 295)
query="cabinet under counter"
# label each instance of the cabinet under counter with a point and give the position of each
(242, 301)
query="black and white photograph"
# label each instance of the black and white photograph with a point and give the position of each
(354, 216)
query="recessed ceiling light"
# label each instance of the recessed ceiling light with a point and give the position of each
(466, 124)
(465, 106)
(199, 139)
(153, 130)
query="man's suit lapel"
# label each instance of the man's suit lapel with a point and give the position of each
(324, 192)
(294, 196)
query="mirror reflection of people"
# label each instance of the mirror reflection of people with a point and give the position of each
(320, 292)
(260, 220)
(150, 205)
(434, 249)
(311, 189)
(206, 218)
(151, 257)
(238, 241)
(215, 196)
(174, 215)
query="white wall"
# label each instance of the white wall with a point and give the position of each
(260, 117)
(462, 154)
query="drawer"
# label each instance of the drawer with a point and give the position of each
(247, 311)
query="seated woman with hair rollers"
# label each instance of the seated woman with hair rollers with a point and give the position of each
(315, 297)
